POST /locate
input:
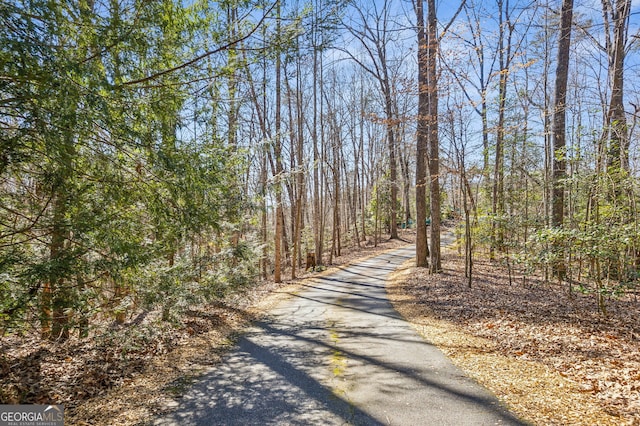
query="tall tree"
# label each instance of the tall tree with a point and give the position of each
(616, 15)
(422, 141)
(505, 27)
(433, 45)
(277, 153)
(372, 32)
(559, 122)
(105, 195)
(428, 60)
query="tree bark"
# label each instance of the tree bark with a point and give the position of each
(504, 58)
(277, 274)
(559, 125)
(434, 148)
(422, 140)
(618, 153)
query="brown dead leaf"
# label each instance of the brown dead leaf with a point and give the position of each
(591, 362)
(123, 381)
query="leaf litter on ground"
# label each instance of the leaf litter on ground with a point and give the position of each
(129, 374)
(549, 355)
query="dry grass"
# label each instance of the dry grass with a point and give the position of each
(549, 356)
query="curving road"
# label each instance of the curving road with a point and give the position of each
(337, 353)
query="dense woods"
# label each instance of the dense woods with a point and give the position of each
(158, 155)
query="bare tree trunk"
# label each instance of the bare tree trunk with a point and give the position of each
(618, 153)
(317, 234)
(264, 156)
(422, 140)
(232, 81)
(504, 55)
(434, 148)
(337, 237)
(299, 176)
(263, 214)
(374, 37)
(406, 186)
(468, 244)
(278, 165)
(393, 165)
(58, 291)
(559, 126)
(360, 178)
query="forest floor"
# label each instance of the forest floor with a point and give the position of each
(130, 374)
(550, 356)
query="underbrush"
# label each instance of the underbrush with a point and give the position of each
(589, 363)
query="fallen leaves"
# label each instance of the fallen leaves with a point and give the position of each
(130, 376)
(549, 355)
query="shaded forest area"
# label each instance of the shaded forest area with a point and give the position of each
(547, 354)
(162, 156)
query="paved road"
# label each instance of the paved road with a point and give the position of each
(337, 353)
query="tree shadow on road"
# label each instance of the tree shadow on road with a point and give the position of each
(300, 369)
(272, 383)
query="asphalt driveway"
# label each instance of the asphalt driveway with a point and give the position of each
(337, 353)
